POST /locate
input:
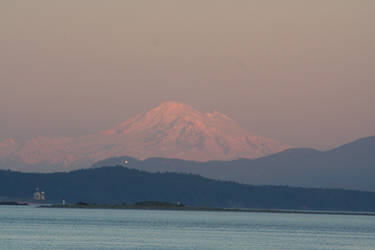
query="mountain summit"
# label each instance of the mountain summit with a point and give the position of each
(172, 130)
(177, 130)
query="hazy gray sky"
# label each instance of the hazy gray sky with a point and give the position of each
(298, 71)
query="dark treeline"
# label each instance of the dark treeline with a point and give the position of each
(116, 185)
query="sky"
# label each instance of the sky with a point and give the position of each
(301, 72)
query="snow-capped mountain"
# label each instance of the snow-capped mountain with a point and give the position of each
(172, 130)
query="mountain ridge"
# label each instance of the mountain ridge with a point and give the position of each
(351, 166)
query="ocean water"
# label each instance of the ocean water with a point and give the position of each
(57, 228)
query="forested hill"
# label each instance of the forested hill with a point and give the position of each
(119, 184)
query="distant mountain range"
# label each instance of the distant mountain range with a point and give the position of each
(350, 166)
(175, 137)
(171, 130)
(116, 185)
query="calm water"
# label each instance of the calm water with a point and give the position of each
(44, 228)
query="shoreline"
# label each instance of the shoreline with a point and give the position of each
(208, 209)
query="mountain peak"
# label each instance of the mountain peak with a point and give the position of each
(177, 130)
(174, 110)
(168, 113)
(173, 107)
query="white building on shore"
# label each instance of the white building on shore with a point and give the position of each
(39, 195)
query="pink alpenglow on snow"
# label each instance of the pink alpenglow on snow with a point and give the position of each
(171, 130)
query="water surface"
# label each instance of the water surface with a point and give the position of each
(58, 228)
